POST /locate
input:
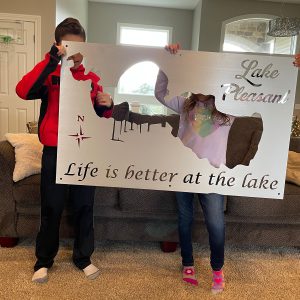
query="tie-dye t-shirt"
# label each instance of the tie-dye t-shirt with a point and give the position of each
(197, 130)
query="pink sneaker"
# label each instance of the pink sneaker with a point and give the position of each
(218, 282)
(188, 275)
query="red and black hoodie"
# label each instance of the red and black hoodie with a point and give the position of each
(43, 82)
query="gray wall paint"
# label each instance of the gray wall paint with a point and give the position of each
(72, 8)
(196, 26)
(103, 19)
(45, 9)
(215, 12)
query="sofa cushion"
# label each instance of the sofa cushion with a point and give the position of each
(7, 161)
(27, 191)
(153, 202)
(259, 207)
(292, 189)
(106, 197)
(149, 201)
(27, 195)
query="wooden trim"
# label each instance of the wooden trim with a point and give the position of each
(37, 20)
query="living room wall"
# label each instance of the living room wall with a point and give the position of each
(214, 12)
(45, 9)
(103, 19)
(196, 26)
(72, 8)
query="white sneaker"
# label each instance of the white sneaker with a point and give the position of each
(91, 272)
(40, 276)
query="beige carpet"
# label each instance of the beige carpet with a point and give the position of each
(141, 271)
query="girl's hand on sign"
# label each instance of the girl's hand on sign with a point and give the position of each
(172, 48)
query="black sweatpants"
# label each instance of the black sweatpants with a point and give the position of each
(52, 205)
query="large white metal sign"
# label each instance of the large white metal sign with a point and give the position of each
(150, 157)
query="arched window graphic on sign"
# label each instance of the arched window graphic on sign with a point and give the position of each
(139, 79)
(249, 34)
(136, 86)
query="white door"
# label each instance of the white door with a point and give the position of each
(15, 61)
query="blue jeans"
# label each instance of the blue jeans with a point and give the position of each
(213, 210)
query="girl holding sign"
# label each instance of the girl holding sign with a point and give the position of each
(205, 130)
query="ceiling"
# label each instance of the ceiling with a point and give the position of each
(287, 1)
(180, 4)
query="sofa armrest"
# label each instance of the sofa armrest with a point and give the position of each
(7, 160)
(7, 202)
(295, 144)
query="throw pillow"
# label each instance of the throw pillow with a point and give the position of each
(28, 154)
(293, 168)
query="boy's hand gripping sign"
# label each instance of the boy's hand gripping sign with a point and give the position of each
(191, 150)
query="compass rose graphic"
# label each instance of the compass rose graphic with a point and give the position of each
(80, 136)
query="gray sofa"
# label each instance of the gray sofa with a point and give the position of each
(148, 215)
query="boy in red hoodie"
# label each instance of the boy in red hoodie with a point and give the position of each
(43, 83)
